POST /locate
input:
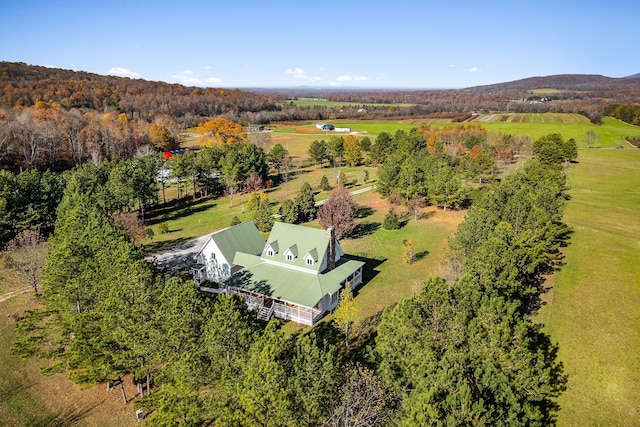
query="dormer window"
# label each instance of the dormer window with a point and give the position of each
(271, 249)
(311, 257)
(291, 253)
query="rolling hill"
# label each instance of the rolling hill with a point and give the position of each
(568, 82)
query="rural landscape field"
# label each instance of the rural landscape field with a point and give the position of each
(498, 234)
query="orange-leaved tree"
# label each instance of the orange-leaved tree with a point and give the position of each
(222, 131)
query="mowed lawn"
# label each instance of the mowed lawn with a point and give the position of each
(593, 310)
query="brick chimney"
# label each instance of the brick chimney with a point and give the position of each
(331, 253)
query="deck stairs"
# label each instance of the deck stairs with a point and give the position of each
(265, 312)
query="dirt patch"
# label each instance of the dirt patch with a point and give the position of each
(306, 130)
(376, 202)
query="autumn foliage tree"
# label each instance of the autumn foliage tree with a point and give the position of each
(161, 137)
(222, 131)
(338, 211)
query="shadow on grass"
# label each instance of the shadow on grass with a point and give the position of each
(364, 211)
(370, 269)
(364, 229)
(180, 212)
(422, 254)
(68, 417)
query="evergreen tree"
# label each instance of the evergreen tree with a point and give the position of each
(263, 391)
(391, 220)
(263, 217)
(306, 203)
(318, 152)
(290, 211)
(324, 183)
(314, 380)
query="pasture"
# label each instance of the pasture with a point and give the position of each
(592, 309)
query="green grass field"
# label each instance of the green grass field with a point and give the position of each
(320, 102)
(592, 310)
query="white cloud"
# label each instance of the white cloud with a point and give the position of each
(122, 72)
(188, 78)
(208, 67)
(192, 81)
(351, 78)
(299, 73)
(473, 70)
(334, 84)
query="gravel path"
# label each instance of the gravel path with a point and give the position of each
(180, 257)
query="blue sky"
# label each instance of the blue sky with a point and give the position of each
(372, 44)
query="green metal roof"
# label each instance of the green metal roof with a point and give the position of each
(300, 241)
(243, 237)
(288, 284)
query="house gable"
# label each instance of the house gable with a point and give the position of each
(218, 252)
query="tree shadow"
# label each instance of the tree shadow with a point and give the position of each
(180, 212)
(68, 417)
(363, 212)
(364, 229)
(421, 255)
(244, 280)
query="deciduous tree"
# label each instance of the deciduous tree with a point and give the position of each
(26, 255)
(346, 314)
(338, 211)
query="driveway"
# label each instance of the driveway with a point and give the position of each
(179, 258)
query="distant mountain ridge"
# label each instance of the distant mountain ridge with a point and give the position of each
(570, 82)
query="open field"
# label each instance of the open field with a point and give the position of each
(320, 102)
(611, 133)
(592, 310)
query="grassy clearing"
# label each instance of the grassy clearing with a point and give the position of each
(592, 310)
(388, 279)
(28, 398)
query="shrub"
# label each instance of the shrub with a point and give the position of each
(391, 220)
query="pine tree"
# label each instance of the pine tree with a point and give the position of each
(324, 183)
(263, 217)
(306, 203)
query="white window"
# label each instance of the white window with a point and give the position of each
(310, 261)
(290, 256)
(270, 252)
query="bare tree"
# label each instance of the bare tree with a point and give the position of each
(338, 211)
(365, 402)
(25, 254)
